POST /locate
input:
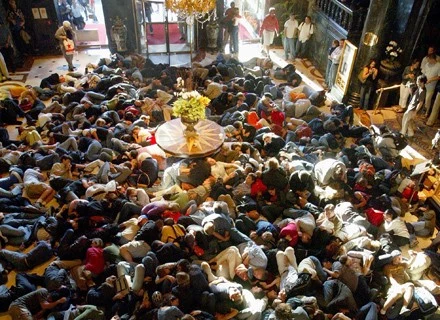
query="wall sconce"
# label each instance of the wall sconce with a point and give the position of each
(370, 39)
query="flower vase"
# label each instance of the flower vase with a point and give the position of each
(190, 130)
(212, 30)
(389, 69)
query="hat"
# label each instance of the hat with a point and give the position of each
(164, 96)
(395, 253)
(251, 274)
(67, 25)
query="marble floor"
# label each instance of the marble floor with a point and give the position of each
(44, 66)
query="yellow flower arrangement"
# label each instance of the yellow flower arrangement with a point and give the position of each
(190, 7)
(191, 105)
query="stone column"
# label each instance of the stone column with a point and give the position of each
(379, 22)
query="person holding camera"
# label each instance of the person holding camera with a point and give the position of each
(368, 78)
(409, 77)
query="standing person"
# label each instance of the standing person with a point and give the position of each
(227, 24)
(63, 33)
(409, 77)
(65, 10)
(148, 11)
(77, 17)
(269, 29)
(234, 31)
(290, 36)
(335, 44)
(16, 25)
(431, 50)
(368, 76)
(305, 32)
(6, 48)
(431, 69)
(335, 58)
(4, 73)
(181, 22)
(415, 104)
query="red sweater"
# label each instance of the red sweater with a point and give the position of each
(270, 23)
(95, 262)
(292, 230)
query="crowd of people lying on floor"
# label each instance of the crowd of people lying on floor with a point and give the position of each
(285, 222)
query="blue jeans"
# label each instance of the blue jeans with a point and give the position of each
(322, 275)
(365, 97)
(328, 72)
(8, 182)
(290, 46)
(367, 312)
(234, 40)
(93, 151)
(16, 259)
(333, 71)
(302, 48)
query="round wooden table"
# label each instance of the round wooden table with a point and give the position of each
(169, 137)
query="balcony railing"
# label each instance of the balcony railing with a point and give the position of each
(347, 18)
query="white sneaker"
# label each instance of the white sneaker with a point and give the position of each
(404, 312)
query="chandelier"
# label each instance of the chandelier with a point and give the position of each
(200, 10)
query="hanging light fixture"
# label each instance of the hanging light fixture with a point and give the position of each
(200, 10)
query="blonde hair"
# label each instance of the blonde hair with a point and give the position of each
(273, 163)
(98, 242)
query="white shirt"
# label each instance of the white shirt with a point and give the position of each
(398, 226)
(305, 31)
(218, 170)
(289, 28)
(32, 176)
(425, 61)
(76, 11)
(335, 57)
(131, 228)
(431, 70)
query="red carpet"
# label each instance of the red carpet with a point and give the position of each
(158, 36)
(101, 31)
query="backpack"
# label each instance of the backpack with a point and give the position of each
(300, 286)
(425, 300)
(27, 160)
(139, 180)
(399, 140)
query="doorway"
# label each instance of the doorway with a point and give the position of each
(87, 18)
(164, 37)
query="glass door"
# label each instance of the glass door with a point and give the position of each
(164, 37)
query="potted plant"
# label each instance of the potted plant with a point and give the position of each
(390, 66)
(190, 107)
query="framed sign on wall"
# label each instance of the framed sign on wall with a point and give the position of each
(345, 69)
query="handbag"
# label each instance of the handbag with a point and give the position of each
(25, 36)
(360, 76)
(69, 46)
(122, 285)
